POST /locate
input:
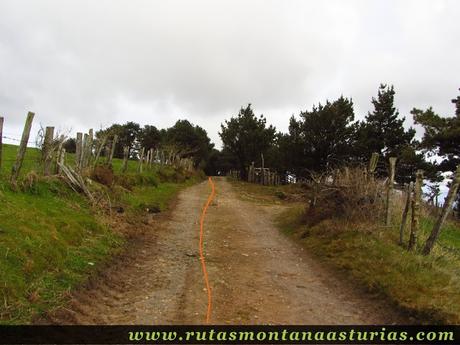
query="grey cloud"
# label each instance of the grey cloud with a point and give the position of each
(85, 64)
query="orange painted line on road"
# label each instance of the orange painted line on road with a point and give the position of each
(203, 263)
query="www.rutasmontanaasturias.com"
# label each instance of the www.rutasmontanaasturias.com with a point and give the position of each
(289, 336)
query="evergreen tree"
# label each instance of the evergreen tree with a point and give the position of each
(323, 136)
(291, 147)
(190, 141)
(128, 135)
(442, 135)
(149, 137)
(383, 130)
(441, 138)
(246, 137)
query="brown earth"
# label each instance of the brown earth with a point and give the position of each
(257, 275)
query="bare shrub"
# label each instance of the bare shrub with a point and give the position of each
(349, 194)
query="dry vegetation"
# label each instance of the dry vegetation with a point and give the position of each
(348, 195)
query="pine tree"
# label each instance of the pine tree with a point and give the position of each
(324, 134)
(442, 135)
(246, 137)
(456, 101)
(383, 130)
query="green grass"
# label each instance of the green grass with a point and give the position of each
(427, 287)
(157, 196)
(31, 160)
(450, 234)
(51, 239)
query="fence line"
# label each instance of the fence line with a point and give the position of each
(412, 195)
(15, 139)
(87, 155)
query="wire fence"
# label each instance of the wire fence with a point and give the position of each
(25, 159)
(48, 153)
(17, 140)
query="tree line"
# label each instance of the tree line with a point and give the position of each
(185, 138)
(327, 137)
(323, 138)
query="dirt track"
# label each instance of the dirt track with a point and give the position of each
(257, 275)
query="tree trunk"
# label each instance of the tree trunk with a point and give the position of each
(391, 181)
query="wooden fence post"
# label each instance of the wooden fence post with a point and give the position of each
(391, 181)
(99, 150)
(409, 189)
(61, 160)
(89, 147)
(147, 159)
(47, 150)
(1, 139)
(263, 168)
(84, 151)
(416, 210)
(151, 157)
(78, 151)
(125, 159)
(112, 149)
(22, 149)
(373, 164)
(141, 159)
(444, 213)
(58, 153)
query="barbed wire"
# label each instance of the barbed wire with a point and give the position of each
(29, 159)
(15, 139)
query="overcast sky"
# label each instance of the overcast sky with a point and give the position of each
(82, 64)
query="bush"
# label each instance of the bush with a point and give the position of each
(351, 196)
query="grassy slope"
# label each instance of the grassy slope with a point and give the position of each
(51, 239)
(428, 287)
